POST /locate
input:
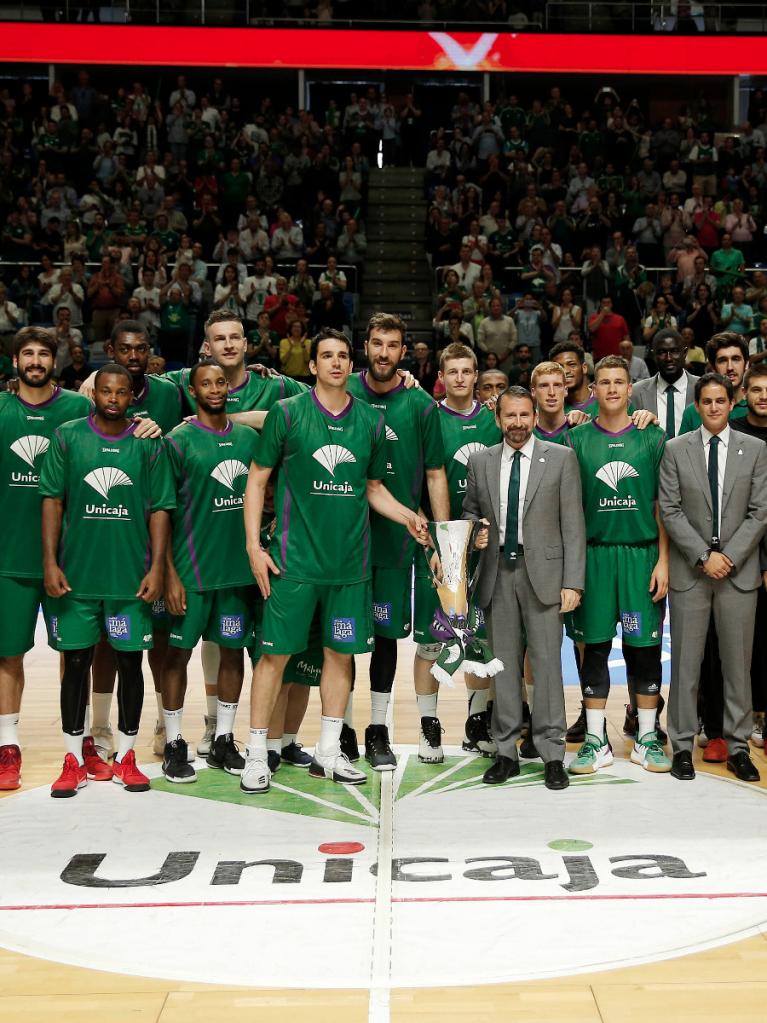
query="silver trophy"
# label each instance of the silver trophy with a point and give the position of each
(456, 622)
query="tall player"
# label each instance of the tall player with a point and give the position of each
(209, 586)
(726, 353)
(572, 358)
(330, 448)
(466, 426)
(413, 454)
(105, 523)
(626, 566)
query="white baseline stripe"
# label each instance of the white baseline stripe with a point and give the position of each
(380, 967)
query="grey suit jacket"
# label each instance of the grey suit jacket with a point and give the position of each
(553, 528)
(684, 497)
(644, 393)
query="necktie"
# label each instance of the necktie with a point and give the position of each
(511, 540)
(713, 482)
(670, 422)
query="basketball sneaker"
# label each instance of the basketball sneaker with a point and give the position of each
(378, 752)
(337, 768)
(630, 722)
(104, 742)
(225, 756)
(577, 730)
(476, 735)
(72, 778)
(159, 740)
(203, 746)
(430, 742)
(255, 775)
(593, 754)
(349, 746)
(757, 733)
(175, 762)
(649, 754)
(10, 768)
(127, 774)
(96, 769)
(294, 755)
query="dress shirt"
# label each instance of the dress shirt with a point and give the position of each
(724, 444)
(680, 401)
(526, 452)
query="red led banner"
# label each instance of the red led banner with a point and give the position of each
(381, 50)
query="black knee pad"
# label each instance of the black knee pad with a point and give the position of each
(643, 665)
(383, 665)
(130, 690)
(74, 690)
(595, 675)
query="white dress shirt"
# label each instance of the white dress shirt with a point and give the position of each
(524, 472)
(724, 442)
(680, 401)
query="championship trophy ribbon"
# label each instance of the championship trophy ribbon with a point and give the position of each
(456, 622)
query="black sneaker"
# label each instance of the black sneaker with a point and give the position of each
(378, 752)
(430, 742)
(225, 756)
(630, 722)
(577, 730)
(294, 755)
(527, 750)
(476, 735)
(273, 760)
(349, 746)
(175, 765)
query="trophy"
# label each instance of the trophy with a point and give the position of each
(456, 622)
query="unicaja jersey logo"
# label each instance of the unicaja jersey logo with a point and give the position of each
(462, 454)
(30, 447)
(103, 480)
(228, 471)
(332, 455)
(390, 434)
(614, 472)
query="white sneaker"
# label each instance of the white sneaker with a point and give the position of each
(255, 776)
(336, 767)
(203, 746)
(158, 740)
(104, 741)
(757, 735)
(702, 739)
(430, 742)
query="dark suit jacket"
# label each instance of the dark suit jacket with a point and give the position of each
(644, 393)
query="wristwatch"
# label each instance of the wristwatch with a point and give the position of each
(704, 558)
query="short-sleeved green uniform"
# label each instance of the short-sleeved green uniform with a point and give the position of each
(463, 434)
(159, 400)
(619, 477)
(210, 470)
(110, 485)
(691, 417)
(413, 445)
(25, 433)
(321, 543)
(256, 394)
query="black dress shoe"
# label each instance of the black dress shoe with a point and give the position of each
(503, 769)
(527, 750)
(555, 776)
(742, 767)
(681, 766)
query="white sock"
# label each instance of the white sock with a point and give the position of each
(125, 744)
(212, 706)
(379, 705)
(9, 729)
(530, 695)
(349, 713)
(225, 714)
(646, 721)
(173, 720)
(74, 744)
(158, 697)
(595, 723)
(274, 745)
(256, 749)
(330, 737)
(478, 700)
(288, 738)
(101, 704)
(427, 705)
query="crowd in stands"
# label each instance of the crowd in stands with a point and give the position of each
(548, 223)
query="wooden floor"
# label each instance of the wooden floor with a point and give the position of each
(725, 985)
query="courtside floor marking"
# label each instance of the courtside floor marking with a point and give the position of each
(379, 1001)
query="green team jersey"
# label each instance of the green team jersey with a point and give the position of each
(159, 400)
(619, 477)
(210, 470)
(558, 436)
(463, 434)
(257, 394)
(110, 486)
(321, 508)
(691, 417)
(25, 433)
(413, 444)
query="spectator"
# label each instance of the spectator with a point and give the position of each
(424, 368)
(607, 329)
(698, 276)
(498, 334)
(529, 317)
(454, 329)
(701, 315)
(256, 288)
(736, 314)
(352, 243)
(65, 336)
(328, 310)
(175, 322)
(334, 275)
(302, 284)
(230, 294)
(741, 226)
(106, 291)
(637, 367)
(277, 305)
(288, 239)
(659, 319)
(566, 316)
(77, 371)
(263, 343)
(294, 352)
(148, 296)
(595, 273)
(66, 294)
(728, 264)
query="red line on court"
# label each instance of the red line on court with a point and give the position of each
(369, 902)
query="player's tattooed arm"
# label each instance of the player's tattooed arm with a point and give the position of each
(151, 586)
(261, 563)
(54, 580)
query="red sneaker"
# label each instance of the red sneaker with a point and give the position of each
(715, 752)
(95, 768)
(10, 768)
(72, 778)
(127, 774)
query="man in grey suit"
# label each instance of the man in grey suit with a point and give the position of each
(672, 389)
(528, 492)
(713, 501)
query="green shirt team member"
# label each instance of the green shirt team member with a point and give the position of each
(727, 353)
(413, 455)
(330, 450)
(467, 426)
(27, 422)
(106, 498)
(209, 588)
(626, 565)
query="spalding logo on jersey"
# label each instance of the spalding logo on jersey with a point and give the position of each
(28, 449)
(332, 455)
